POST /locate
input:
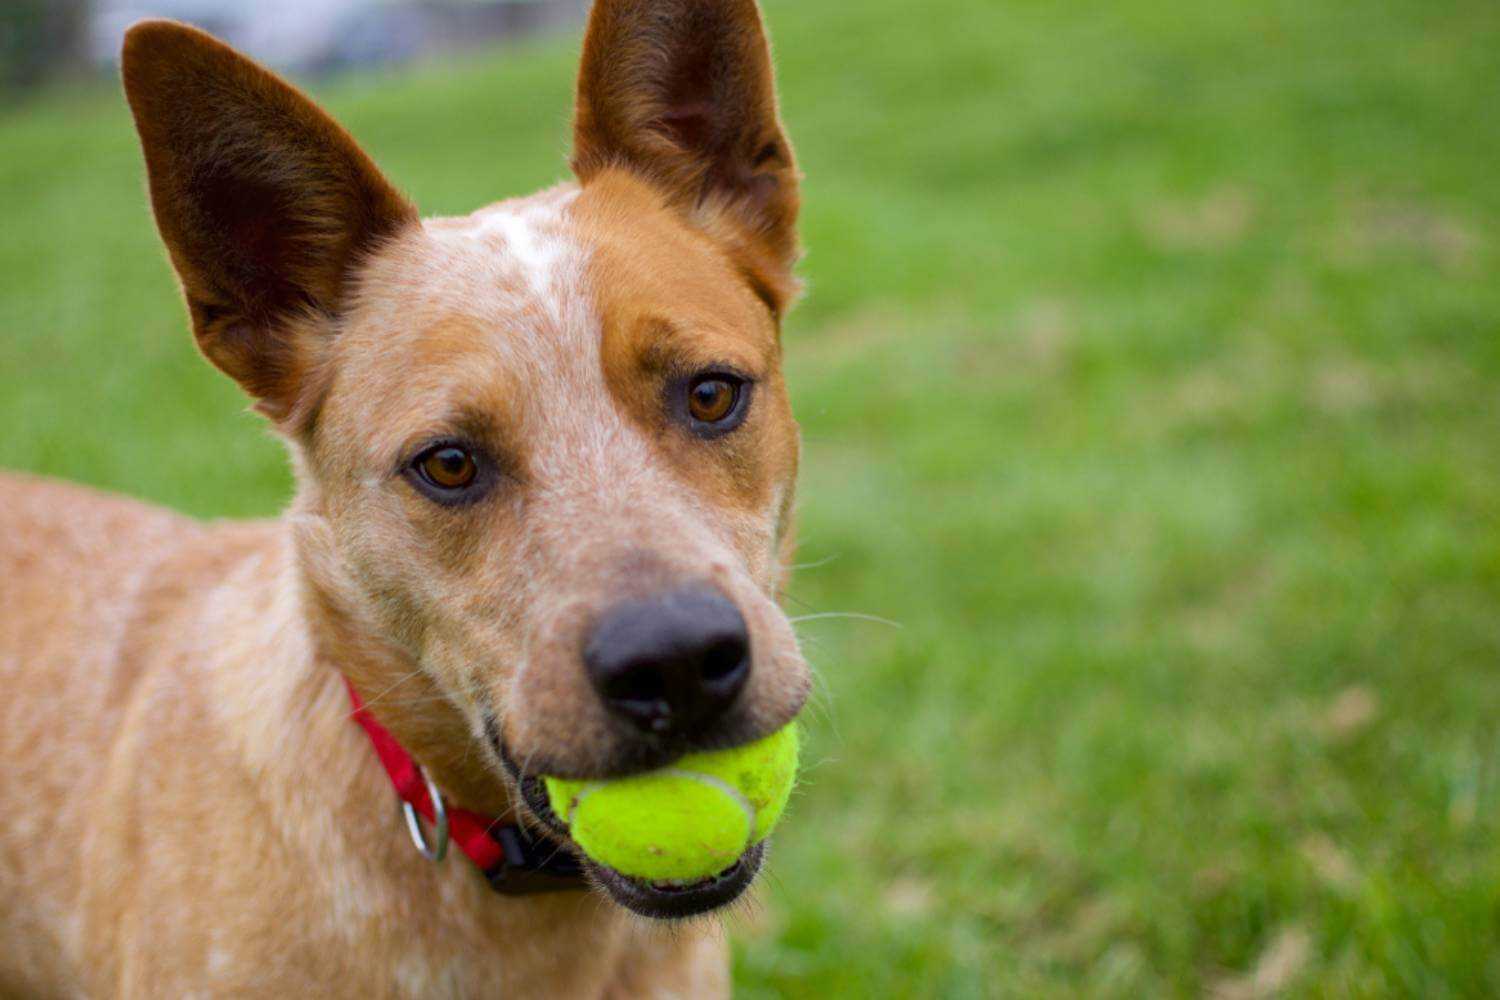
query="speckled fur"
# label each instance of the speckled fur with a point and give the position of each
(190, 811)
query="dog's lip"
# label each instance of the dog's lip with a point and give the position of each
(660, 900)
(533, 794)
(666, 901)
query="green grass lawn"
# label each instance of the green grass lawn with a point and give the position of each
(1150, 380)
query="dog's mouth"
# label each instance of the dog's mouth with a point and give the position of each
(664, 900)
(675, 900)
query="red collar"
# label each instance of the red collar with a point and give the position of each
(513, 863)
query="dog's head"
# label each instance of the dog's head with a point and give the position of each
(545, 452)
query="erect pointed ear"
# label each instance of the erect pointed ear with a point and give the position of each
(265, 204)
(682, 93)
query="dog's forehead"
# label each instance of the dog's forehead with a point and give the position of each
(513, 275)
(537, 299)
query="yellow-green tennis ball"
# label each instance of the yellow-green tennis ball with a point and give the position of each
(688, 821)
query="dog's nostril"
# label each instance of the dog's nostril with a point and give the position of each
(722, 660)
(672, 663)
(637, 682)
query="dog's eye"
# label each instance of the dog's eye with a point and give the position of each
(711, 398)
(447, 467)
(452, 473)
(709, 404)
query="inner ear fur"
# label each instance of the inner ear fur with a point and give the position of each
(682, 93)
(264, 202)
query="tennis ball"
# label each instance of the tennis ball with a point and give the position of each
(688, 821)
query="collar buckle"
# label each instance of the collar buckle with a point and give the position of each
(531, 866)
(436, 849)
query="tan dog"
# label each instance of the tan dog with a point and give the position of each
(545, 465)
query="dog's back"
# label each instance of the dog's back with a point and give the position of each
(78, 568)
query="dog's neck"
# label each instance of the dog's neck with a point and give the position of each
(400, 694)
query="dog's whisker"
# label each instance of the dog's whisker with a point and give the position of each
(400, 681)
(814, 641)
(820, 700)
(787, 595)
(425, 699)
(855, 615)
(524, 766)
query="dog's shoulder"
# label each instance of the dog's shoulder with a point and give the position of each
(64, 549)
(87, 574)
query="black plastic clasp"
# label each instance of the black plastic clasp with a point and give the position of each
(532, 866)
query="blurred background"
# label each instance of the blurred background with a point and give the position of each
(1149, 377)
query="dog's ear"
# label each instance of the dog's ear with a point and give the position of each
(264, 202)
(682, 93)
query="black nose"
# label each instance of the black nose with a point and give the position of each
(670, 664)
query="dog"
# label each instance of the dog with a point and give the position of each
(545, 466)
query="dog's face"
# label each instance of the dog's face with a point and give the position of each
(545, 451)
(556, 458)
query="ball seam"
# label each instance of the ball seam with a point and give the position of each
(734, 794)
(576, 800)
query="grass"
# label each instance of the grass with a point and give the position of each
(1150, 379)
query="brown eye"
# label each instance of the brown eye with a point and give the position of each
(448, 468)
(712, 398)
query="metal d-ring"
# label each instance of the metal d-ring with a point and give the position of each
(432, 852)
